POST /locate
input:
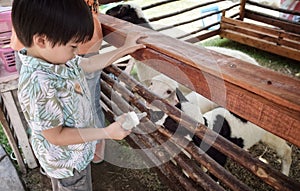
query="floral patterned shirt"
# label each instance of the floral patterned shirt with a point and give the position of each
(53, 95)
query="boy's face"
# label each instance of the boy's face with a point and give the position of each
(59, 54)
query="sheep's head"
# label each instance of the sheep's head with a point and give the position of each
(129, 12)
(165, 88)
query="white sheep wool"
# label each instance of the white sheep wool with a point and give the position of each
(166, 80)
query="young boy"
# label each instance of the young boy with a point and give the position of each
(53, 92)
(86, 49)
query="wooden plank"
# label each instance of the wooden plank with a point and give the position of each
(198, 18)
(157, 4)
(282, 24)
(250, 32)
(202, 36)
(264, 29)
(280, 39)
(143, 132)
(273, 8)
(242, 9)
(260, 95)
(19, 129)
(287, 40)
(262, 44)
(292, 36)
(12, 142)
(242, 24)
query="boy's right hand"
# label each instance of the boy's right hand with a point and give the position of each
(116, 131)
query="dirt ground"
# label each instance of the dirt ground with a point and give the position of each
(106, 177)
(109, 177)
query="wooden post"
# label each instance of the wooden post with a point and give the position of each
(12, 142)
(242, 9)
(19, 129)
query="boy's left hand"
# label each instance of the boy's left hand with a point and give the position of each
(131, 44)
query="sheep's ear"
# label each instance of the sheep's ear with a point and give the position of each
(124, 9)
(180, 96)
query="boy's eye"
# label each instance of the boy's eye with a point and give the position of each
(74, 46)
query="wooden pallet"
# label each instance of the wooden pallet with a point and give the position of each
(263, 31)
(266, 38)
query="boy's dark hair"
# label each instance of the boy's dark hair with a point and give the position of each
(59, 20)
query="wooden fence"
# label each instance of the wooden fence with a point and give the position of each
(266, 98)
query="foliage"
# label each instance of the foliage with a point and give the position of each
(4, 140)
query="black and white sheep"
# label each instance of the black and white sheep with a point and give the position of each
(129, 12)
(165, 88)
(246, 134)
(237, 130)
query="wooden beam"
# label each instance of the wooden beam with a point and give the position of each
(242, 9)
(12, 142)
(19, 129)
(266, 98)
(158, 4)
(270, 35)
(263, 44)
(280, 23)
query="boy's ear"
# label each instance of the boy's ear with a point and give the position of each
(40, 40)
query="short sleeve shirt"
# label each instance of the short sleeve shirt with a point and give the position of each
(56, 95)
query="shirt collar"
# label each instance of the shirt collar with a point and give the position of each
(69, 70)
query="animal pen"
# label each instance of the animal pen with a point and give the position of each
(266, 98)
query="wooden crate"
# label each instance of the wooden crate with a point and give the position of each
(13, 122)
(269, 33)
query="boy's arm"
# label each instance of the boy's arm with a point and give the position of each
(100, 61)
(63, 136)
